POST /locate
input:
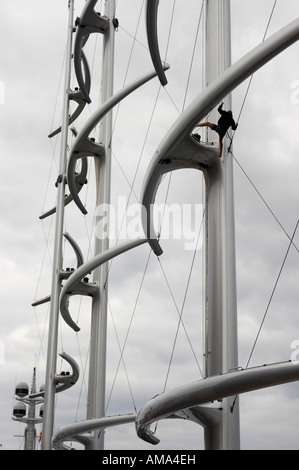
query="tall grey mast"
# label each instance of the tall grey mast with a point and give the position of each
(221, 309)
(97, 363)
(50, 385)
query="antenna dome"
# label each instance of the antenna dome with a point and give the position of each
(22, 389)
(19, 410)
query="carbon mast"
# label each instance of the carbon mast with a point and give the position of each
(50, 384)
(97, 364)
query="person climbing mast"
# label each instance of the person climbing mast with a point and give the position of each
(225, 122)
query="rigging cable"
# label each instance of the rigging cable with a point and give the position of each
(291, 238)
(180, 313)
(83, 382)
(129, 61)
(124, 366)
(273, 291)
(165, 277)
(264, 201)
(193, 53)
(129, 328)
(251, 78)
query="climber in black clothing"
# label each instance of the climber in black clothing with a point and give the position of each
(225, 122)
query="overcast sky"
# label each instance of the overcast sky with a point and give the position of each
(33, 38)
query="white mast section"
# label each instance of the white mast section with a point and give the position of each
(97, 363)
(221, 321)
(50, 385)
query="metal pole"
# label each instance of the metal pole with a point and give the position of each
(48, 420)
(97, 363)
(30, 431)
(231, 420)
(221, 317)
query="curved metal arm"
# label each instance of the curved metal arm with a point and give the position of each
(75, 246)
(63, 382)
(80, 273)
(80, 180)
(86, 147)
(72, 431)
(66, 381)
(64, 274)
(88, 127)
(78, 95)
(190, 154)
(79, 43)
(209, 389)
(80, 288)
(176, 142)
(90, 22)
(152, 38)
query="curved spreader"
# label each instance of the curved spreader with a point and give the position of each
(74, 431)
(90, 22)
(175, 150)
(80, 181)
(80, 260)
(80, 288)
(210, 389)
(152, 38)
(65, 273)
(75, 285)
(78, 95)
(63, 381)
(83, 146)
(189, 154)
